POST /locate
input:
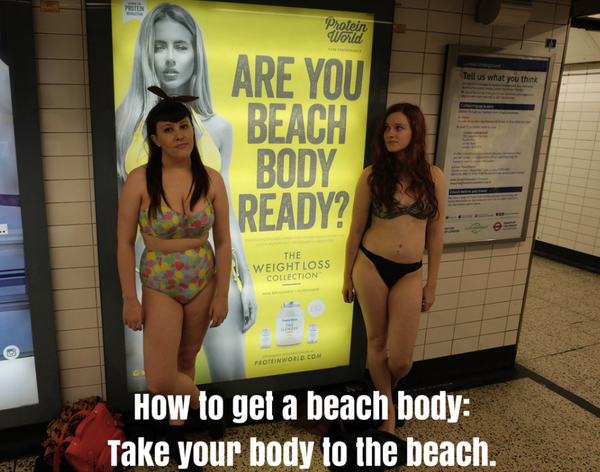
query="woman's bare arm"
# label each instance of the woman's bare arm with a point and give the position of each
(129, 207)
(222, 239)
(435, 239)
(360, 215)
(222, 131)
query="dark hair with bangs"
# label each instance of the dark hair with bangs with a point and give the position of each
(171, 111)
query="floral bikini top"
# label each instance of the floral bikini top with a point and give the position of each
(170, 224)
(420, 212)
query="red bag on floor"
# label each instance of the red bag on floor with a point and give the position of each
(88, 449)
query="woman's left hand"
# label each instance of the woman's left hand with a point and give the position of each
(218, 311)
(249, 306)
(428, 297)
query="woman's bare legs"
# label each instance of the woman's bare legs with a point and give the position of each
(225, 346)
(389, 314)
(173, 336)
(195, 324)
(372, 294)
(404, 306)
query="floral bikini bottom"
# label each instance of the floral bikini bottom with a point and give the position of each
(181, 275)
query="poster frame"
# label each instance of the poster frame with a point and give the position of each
(451, 89)
(98, 15)
(16, 22)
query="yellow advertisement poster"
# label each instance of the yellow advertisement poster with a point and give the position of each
(282, 115)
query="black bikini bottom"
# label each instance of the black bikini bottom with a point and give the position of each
(389, 271)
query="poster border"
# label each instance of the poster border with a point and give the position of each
(450, 89)
(98, 15)
(16, 22)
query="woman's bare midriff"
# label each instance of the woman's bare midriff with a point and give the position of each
(173, 245)
(401, 239)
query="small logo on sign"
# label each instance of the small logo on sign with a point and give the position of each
(497, 226)
(134, 10)
(50, 6)
(11, 352)
(348, 31)
(476, 228)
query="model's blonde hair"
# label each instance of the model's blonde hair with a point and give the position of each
(139, 101)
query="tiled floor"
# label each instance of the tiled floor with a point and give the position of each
(560, 336)
(527, 426)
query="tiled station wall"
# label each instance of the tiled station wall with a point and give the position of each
(63, 95)
(480, 291)
(570, 207)
(481, 288)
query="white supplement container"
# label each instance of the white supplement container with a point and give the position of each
(265, 338)
(289, 325)
(312, 335)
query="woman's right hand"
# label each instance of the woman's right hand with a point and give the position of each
(348, 291)
(133, 314)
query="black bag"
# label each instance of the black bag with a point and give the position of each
(357, 426)
(337, 434)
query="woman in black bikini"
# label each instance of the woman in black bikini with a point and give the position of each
(405, 195)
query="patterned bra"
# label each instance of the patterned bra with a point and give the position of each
(170, 224)
(420, 212)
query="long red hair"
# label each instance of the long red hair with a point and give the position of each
(387, 169)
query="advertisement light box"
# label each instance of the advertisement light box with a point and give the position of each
(288, 99)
